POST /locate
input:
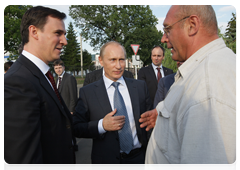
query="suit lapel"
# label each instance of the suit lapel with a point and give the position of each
(165, 70)
(63, 82)
(152, 74)
(102, 97)
(43, 80)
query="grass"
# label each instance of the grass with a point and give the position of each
(80, 80)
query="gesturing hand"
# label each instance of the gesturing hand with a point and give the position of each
(148, 119)
(113, 123)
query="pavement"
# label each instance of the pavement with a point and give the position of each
(83, 155)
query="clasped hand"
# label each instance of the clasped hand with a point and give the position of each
(113, 123)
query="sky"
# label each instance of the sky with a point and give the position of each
(223, 14)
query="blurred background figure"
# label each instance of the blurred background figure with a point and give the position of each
(7, 65)
(155, 71)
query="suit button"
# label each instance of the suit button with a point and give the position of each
(117, 139)
(68, 126)
(117, 158)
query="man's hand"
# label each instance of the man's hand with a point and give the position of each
(113, 123)
(148, 119)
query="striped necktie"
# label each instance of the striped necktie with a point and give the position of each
(125, 134)
(51, 79)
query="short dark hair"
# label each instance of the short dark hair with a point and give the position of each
(37, 16)
(58, 62)
(158, 46)
(7, 65)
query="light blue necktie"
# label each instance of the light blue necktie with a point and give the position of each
(125, 134)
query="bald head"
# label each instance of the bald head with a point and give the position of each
(205, 13)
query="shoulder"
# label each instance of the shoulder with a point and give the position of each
(93, 85)
(146, 68)
(134, 81)
(95, 72)
(168, 69)
(127, 74)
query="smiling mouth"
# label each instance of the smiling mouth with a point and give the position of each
(59, 49)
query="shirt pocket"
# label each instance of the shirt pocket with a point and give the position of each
(162, 130)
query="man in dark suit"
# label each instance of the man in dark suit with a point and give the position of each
(164, 85)
(37, 123)
(155, 71)
(96, 116)
(66, 84)
(67, 87)
(97, 75)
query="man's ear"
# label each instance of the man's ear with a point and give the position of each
(33, 32)
(194, 25)
(100, 60)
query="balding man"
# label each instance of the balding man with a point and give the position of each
(196, 123)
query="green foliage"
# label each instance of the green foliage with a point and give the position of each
(126, 24)
(71, 52)
(87, 60)
(230, 35)
(12, 21)
(168, 61)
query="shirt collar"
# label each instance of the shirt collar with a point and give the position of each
(155, 67)
(62, 74)
(38, 62)
(109, 82)
(192, 62)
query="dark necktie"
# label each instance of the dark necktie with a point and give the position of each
(51, 79)
(125, 134)
(59, 82)
(159, 75)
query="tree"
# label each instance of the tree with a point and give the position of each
(12, 20)
(168, 61)
(147, 38)
(87, 60)
(125, 24)
(71, 52)
(230, 34)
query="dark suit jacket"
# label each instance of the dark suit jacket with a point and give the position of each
(97, 75)
(147, 74)
(68, 91)
(164, 85)
(37, 128)
(93, 104)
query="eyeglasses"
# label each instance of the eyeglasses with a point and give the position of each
(167, 30)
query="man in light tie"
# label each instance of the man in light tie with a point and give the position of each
(112, 106)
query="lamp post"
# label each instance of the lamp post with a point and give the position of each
(81, 56)
(81, 53)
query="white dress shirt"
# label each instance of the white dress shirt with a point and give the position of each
(127, 100)
(61, 78)
(156, 71)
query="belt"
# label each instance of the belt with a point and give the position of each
(123, 155)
